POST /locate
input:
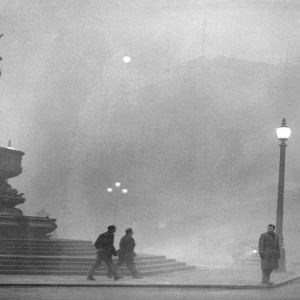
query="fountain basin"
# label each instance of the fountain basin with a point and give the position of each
(23, 227)
(10, 163)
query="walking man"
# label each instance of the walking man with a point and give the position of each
(105, 249)
(126, 253)
(269, 252)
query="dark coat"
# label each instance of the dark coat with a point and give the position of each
(269, 250)
(105, 243)
(127, 245)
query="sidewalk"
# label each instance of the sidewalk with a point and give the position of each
(224, 277)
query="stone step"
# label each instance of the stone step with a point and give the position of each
(50, 248)
(43, 245)
(82, 272)
(70, 257)
(47, 247)
(168, 270)
(50, 253)
(22, 267)
(15, 242)
(60, 259)
(46, 264)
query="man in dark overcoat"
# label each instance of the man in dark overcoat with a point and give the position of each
(126, 253)
(105, 249)
(269, 252)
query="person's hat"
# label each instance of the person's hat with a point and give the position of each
(110, 227)
(128, 230)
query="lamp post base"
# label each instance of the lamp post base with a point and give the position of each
(281, 262)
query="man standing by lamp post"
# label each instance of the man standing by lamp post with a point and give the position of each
(269, 252)
(283, 134)
(271, 246)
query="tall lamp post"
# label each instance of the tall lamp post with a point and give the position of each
(113, 191)
(283, 134)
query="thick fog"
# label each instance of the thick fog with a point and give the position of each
(187, 126)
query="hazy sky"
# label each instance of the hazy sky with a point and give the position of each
(192, 140)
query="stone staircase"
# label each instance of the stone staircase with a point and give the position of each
(70, 257)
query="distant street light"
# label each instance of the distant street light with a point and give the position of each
(283, 134)
(126, 59)
(115, 192)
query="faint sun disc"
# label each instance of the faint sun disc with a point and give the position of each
(126, 59)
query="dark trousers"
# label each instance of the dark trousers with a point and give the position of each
(129, 261)
(108, 273)
(266, 275)
(102, 256)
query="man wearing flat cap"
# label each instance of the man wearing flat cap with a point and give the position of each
(105, 249)
(126, 253)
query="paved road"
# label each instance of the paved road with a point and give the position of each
(289, 292)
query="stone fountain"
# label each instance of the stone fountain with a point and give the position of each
(13, 224)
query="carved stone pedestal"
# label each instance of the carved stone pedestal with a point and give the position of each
(13, 224)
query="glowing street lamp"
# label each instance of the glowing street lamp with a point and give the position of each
(115, 191)
(283, 134)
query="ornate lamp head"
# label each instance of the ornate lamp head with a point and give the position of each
(283, 132)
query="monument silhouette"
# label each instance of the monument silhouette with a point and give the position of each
(13, 223)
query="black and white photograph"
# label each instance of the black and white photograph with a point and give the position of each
(149, 149)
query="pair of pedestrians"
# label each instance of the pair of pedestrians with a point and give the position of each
(105, 250)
